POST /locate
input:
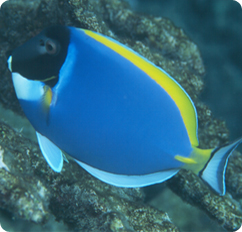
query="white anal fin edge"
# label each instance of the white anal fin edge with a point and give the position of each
(128, 181)
(53, 154)
(214, 171)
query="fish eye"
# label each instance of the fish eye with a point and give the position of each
(51, 47)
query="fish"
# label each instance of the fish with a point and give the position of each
(123, 119)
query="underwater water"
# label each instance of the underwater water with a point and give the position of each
(215, 26)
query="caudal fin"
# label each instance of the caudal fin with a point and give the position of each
(214, 171)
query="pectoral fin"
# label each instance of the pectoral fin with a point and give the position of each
(46, 101)
(47, 97)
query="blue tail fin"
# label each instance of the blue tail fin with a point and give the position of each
(214, 171)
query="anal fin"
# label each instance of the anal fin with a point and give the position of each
(129, 181)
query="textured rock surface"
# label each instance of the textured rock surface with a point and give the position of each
(30, 190)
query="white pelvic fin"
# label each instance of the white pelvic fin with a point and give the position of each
(51, 152)
(65, 158)
(214, 171)
(128, 181)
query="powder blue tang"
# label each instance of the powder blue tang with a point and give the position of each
(122, 118)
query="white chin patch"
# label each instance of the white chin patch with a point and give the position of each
(27, 89)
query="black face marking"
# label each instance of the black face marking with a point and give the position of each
(42, 57)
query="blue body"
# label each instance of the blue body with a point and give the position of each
(109, 114)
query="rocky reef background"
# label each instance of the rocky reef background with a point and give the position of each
(215, 26)
(32, 196)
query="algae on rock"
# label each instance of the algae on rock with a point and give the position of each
(31, 190)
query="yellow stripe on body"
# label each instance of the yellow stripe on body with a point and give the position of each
(185, 160)
(177, 93)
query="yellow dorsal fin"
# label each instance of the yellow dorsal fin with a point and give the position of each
(175, 90)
